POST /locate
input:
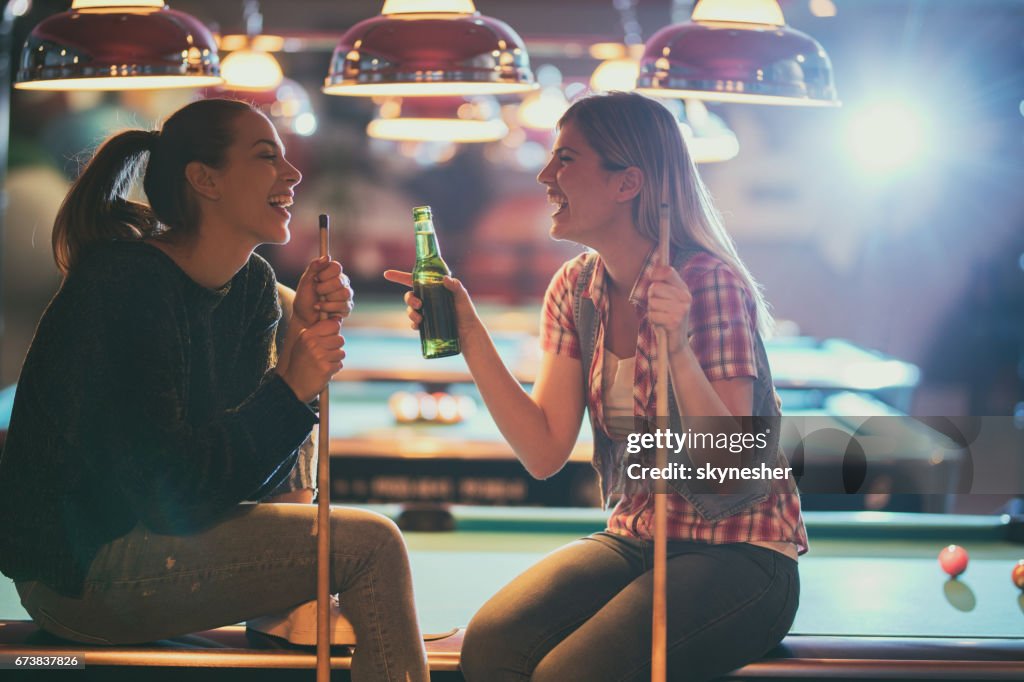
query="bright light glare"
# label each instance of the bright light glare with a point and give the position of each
(20, 8)
(251, 70)
(823, 8)
(886, 137)
(871, 376)
(91, 4)
(436, 130)
(615, 74)
(425, 89)
(541, 109)
(305, 124)
(122, 83)
(744, 11)
(421, 6)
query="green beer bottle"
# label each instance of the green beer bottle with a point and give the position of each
(439, 332)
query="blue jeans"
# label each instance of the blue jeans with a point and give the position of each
(584, 613)
(260, 559)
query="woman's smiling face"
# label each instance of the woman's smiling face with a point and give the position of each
(580, 186)
(256, 183)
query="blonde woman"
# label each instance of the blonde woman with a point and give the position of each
(583, 612)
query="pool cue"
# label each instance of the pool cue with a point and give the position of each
(659, 663)
(323, 511)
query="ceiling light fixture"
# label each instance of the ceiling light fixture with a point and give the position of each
(250, 68)
(429, 48)
(620, 65)
(118, 45)
(737, 51)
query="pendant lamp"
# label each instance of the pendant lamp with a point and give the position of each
(429, 48)
(251, 67)
(737, 51)
(118, 45)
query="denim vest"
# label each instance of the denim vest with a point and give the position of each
(611, 458)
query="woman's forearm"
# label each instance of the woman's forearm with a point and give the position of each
(522, 421)
(702, 407)
(694, 394)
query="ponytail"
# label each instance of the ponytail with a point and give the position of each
(96, 208)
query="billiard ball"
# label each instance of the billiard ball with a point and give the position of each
(1018, 574)
(447, 409)
(953, 560)
(404, 407)
(428, 406)
(467, 408)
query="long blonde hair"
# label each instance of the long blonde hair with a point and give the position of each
(629, 130)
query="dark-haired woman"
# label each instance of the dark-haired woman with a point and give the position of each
(152, 404)
(584, 611)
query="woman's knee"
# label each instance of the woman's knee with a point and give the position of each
(490, 648)
(374, 534)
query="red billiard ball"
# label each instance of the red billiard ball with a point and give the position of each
(953, 560)
(1018, 574)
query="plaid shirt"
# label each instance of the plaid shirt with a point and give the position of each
(722, 332)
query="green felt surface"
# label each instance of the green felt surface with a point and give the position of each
(797, 362)
(360, 410)
(868, 574)
(839, 595)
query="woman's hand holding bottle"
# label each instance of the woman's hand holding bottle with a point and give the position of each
(465, 312)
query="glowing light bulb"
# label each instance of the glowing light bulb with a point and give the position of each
(251, 70)
(741, 11)
(428, 6)
(92, 4)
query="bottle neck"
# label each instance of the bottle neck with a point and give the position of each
(426, 240)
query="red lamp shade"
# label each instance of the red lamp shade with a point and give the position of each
(735, 62)
(118, 48)
(435, 54)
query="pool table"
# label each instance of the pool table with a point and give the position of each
(800, 362)
(874, 603)
(377, 459)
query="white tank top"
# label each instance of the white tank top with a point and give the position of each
(617, 377)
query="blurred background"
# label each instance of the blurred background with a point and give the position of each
(895, 222)
(888, 234)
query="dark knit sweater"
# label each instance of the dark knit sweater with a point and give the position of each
(144, 397)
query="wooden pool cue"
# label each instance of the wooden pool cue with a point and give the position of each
(323, 511)
(659, 663)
